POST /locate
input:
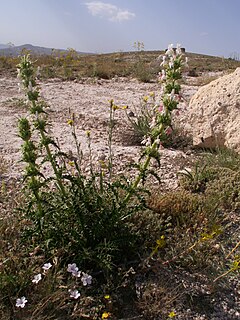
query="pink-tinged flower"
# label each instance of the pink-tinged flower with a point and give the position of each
(21, 302)
(74, 294)
(86, 279)
(47, 266)
(37, 278)
(177, 113)
(160, 109)
(168, 131)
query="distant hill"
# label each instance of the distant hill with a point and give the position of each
(4, 46)
(14, 51)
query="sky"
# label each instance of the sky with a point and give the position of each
(201, 26)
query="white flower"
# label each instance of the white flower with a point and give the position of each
(74, 294)
(172, 94)
(178, 49)
(171, 63)
(170, 51)
(38, 71)
(72, 267)
(21, 302)
(47, 266)
(86, 279)
(153, 123)
(164, 62)
(30, 87)
(163, 76)
(37, 278)
(18, 73)
(76, 273)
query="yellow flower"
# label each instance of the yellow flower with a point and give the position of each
(172, 314)
(105, 315)
(107, 296)
(88, 132)
(152, 94)
(161, 242)
(71, 163)
(145, 98)
(70, 122)
(124, 107)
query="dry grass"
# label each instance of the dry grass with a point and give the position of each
(143, 65)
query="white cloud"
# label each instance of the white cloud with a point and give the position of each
(109, 11)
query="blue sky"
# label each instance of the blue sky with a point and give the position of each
(202, 26)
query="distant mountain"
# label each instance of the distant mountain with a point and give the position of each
(14, 51)
(3, 46)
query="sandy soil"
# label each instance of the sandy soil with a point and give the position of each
(88, 100)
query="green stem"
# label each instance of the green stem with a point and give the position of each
(139, 177)
(53, 163)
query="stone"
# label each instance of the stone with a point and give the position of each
(214, 113)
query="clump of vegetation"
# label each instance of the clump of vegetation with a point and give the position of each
(101, 246)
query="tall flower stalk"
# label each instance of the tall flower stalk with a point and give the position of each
(161, 123)
(26, 75)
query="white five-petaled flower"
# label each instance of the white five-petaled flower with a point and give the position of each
(72, 267)
(37, 278)
(86, 279)
(21, 302)
(74, 294)
(76, 273)
(47, 266)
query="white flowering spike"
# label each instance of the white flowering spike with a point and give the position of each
(48, 265)
(37, 278)
(86, 279)
(21, 302)
(74, 294)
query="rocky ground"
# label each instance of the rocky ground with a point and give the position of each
(88, 100)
